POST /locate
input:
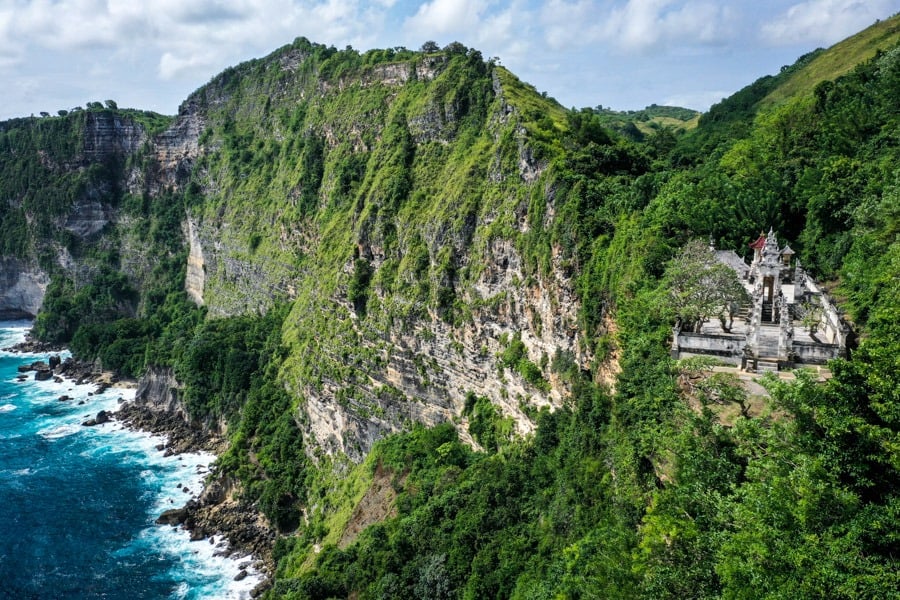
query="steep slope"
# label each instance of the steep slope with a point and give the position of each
(634, 494)
(325, 250)
(386, 197)
(837, 60)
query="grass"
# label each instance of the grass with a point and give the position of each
(526, 98)
(648, 127)
(838, 60)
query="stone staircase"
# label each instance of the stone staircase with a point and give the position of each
(766, 366)
(768, 348)
(767, 312)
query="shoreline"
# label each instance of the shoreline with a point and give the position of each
(214, 515)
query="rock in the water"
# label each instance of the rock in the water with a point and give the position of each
(241, 575)
(101, 418)
(24, 368)
(43, 375)
(174, 516)
(54, 361)
(64, 398)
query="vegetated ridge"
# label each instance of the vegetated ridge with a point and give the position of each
(411, 270)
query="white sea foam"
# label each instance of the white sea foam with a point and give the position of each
(203, 568)
(61, 431)
(210, 573)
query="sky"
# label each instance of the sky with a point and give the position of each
(620, 54)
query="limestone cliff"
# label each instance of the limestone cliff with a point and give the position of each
(22, 288)
(389, 199)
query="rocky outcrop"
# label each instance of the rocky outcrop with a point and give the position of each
(22, 288)
(230, 279)
(195, 277)
(218, 510)
(107, 134)
(89, 215)
(101, 418)
(177, 148)
(157, 392)
(425, 370)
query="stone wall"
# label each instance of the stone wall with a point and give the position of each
(728, 347)
(815, 354)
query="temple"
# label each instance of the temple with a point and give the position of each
(789, 320)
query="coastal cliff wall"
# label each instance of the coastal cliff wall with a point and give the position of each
(22, 288)
(158, 392)
(388, 204)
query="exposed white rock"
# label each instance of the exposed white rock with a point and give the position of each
(22, 288)
(195, 278)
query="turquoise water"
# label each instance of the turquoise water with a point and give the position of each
(78, 504)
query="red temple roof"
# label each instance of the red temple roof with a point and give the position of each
(760, 243)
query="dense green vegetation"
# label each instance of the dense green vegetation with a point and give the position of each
(638, 490)
(634, 494)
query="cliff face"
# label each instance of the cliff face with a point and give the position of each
(22, 288)
(389, 203)
(158, 392)
(109, 135)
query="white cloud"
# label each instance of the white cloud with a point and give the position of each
(636, 26)
(442, 17)
(508, 33)
(824, 21)
(188, 38)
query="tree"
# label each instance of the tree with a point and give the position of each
(111, 104)
(430, 47)
(701, 287)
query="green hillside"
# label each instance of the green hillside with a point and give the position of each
(837, 60)
(431, 311)
(638, 124)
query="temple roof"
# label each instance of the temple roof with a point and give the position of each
(760, 243)
(787, 250)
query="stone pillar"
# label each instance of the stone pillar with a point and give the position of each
(786, 333)
(799, 283)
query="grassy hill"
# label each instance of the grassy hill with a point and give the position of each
(837, 60)
(403, 257)
(636, 124)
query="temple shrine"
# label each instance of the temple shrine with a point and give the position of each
(789, 320)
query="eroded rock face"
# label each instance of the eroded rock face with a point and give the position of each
(425, 370)
(89, 215)
(195, 278)
(22, 288)
(107, 134)
(158, 392)
(177, 148)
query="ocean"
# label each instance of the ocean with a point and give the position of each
(78, 504)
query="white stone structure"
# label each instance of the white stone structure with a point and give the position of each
(789, 321)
